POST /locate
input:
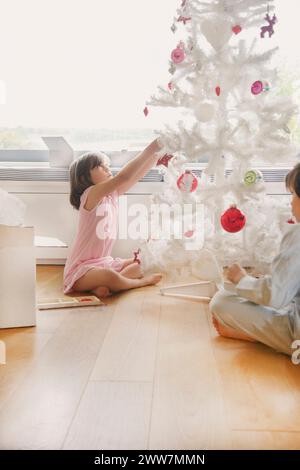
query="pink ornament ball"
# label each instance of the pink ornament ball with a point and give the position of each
(187, 182)
(257, 87)
(178, 55)
(189, 234)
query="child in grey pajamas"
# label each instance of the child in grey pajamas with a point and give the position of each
(266, 309)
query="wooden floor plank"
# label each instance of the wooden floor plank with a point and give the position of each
(45, 403)
(112, 415)
(267, 440)
(129, 350)
(143, 372)
(261, 388)
(23, 348)
(188, 409)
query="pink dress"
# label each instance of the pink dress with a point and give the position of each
(89, 249)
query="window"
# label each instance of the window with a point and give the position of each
(85, 69)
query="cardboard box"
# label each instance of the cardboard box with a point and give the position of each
(17, 277)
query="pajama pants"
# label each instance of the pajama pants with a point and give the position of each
(275, 328)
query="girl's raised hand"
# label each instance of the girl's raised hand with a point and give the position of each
(155, 146)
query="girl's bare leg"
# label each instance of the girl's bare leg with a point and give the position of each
(132, 271)
(127, 262)
(114, 281)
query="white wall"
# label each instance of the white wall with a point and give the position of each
(49, 211)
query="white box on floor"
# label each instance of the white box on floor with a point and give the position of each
(17, 277)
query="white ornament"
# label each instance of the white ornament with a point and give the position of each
(205, 111)
(217, 32)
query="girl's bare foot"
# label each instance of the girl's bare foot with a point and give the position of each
(132, 271)
(230, 332)
(101, 292)
(152, 279)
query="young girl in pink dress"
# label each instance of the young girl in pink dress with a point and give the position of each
(94, 193)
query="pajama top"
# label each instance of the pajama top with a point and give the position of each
(282, 288)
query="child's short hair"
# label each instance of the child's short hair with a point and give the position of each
(292, 179)
(80, 177)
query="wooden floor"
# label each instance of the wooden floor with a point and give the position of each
(143, 372)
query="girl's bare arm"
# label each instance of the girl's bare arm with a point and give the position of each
(128, 176)
(138, 167)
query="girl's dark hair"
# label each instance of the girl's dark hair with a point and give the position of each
(292, 179)
(80, 178)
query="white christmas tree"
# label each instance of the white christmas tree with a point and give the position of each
(224, 84)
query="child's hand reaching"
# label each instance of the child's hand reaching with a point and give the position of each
(235, 273)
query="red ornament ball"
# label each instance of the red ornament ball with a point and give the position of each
(187, 182)
(218, 91)
(236, 29)
(233, 220)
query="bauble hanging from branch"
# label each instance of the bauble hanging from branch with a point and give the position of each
(252, 177)
(187, 182)
(217, 32)
(178, 54)
(233, 220)
(236, 29)
(164, 160)
(205, 111)
(259, 86)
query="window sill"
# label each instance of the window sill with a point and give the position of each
(42, 173)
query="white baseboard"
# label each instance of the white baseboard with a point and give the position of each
(50, 261)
